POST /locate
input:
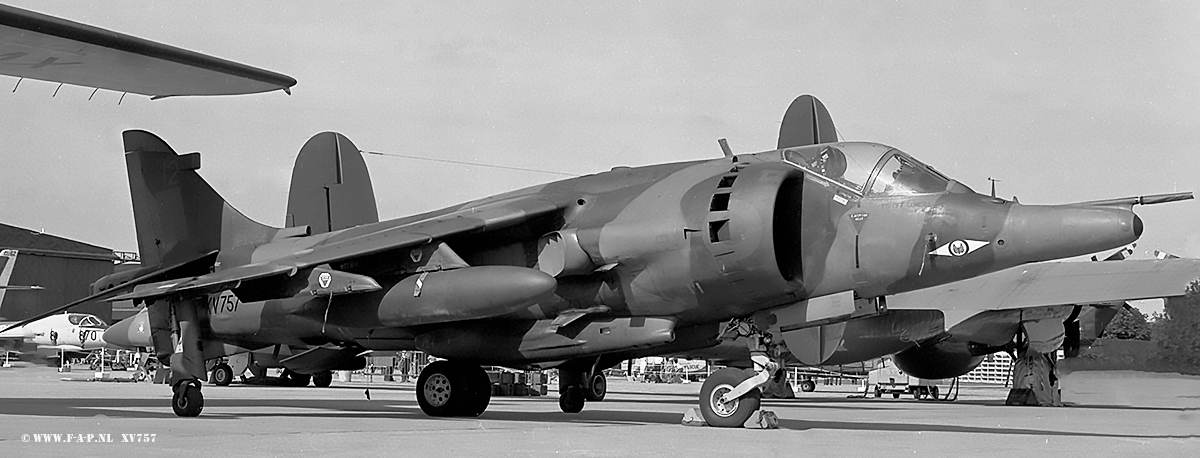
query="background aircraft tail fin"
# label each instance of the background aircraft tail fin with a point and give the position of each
(806, 122)
(331, 188)
(178, 216)
(8, 258)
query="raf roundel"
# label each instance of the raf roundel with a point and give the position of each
(324, 279)
(958, 248)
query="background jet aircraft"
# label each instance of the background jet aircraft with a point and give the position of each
(581, 273)
(47, 337)
(43, 47)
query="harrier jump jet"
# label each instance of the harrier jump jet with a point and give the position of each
(583, 273)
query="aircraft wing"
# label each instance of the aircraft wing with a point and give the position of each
(204, 260)
(42, 47)
(1056, 283)
(493, 216)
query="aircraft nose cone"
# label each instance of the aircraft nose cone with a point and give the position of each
(1044, 232)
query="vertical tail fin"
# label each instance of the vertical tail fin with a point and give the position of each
(8, 258)
(806, 122)
(177, 214)
(331, 188)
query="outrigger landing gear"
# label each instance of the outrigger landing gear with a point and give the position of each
(186, 400)
(453, 389)
(187, 358)
(730, 396)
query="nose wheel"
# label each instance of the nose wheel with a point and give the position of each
(727, 413)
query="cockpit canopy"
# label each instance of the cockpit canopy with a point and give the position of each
(80, 319)
(869, 169)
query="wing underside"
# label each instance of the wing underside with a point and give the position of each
(1057, 283)
(42, 47)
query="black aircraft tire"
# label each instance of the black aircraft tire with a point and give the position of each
(294, 379)
(572, 399)
(322, 379)
(599, 388)
(222, 375)
(187, 401)
(896, 395)
(933, 393)
(727, 415)
(808, 386)
(447, 389)
(481, 389)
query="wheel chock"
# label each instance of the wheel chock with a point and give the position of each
(762, 419)
(692, 418)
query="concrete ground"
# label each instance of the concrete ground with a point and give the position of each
(1114, 414)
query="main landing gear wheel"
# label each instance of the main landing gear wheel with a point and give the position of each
(449, 389)
(322, 379)
(222, 375)
(732, 414)
(186, 400)
(808, 386)
(572, 399)
(294, 379)
(598, 389)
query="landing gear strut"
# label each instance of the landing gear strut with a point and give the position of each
(187, 363)
(453, 389)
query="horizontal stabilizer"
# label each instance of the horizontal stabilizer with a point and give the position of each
(205, 284)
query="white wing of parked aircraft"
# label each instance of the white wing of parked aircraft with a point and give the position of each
(1053, 283)
(48, 48)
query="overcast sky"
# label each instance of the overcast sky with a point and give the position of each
(1066, 102)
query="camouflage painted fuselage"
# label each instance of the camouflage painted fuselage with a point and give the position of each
(646, 258)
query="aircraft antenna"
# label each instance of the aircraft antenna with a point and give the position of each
(448, 161)
(725, 147)
(19, 80)
(994, 181)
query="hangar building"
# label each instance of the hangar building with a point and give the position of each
(63, 268)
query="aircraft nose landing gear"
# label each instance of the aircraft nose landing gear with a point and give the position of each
(720, 409)
(730, 396)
